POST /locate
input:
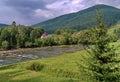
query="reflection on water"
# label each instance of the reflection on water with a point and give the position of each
(37, 53)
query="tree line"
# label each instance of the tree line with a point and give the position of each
(18, 36)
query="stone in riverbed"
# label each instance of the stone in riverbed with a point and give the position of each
(1, 60)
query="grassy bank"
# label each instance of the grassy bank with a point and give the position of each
(62, 68)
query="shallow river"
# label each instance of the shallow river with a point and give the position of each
(32, 54)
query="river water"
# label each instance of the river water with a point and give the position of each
(33, 54)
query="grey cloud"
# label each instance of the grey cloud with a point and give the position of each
(32, 4)
(29, 12)
(88, 3)
(25, 6)
(26, 9)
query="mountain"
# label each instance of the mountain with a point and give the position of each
(3, 25)
(82, 20)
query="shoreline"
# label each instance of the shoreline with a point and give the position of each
(25, 54)
(21, 50)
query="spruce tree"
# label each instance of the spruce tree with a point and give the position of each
(106, 64)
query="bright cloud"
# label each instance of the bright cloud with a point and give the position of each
(76, 1)
(66, 6)
(43, 13)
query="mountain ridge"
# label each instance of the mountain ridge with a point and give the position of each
(3, 25)
(82, 19)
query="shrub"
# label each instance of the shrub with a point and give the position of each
(35, 66)
(5, 45)
(113, 37)
(28, 44)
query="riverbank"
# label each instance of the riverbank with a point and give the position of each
(26, 49)
(25, 54)
(62, 68)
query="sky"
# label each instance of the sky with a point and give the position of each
(30, 12)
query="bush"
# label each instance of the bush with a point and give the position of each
(28, 44)
(5, 45)
(60, 40)
(35, 66)
(38, 42)
(113, 37)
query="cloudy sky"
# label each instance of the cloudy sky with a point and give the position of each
(29, 12)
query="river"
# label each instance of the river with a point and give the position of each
(37, 53)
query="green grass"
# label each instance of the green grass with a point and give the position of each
(62, 68)
(114, 27)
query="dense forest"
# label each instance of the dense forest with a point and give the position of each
(19, 36)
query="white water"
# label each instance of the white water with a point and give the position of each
(37, 53)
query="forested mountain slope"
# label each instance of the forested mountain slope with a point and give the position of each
(3, 25)
(81, 20)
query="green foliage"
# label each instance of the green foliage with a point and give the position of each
(117, 32)
(60, 39)
(74, 39)
(5, 35)
(28, 31)
(82, 19)
(65, 31)
(66, 37)
(19, 36)
(113, 37)
(35, 66)
(44, 42)
(36, 33)
(5, 45)
(23, 36)
(86, 37)
(105, 67)
(28, 44)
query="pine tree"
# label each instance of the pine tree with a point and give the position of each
(106, 65)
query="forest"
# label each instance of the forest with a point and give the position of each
(19, 36)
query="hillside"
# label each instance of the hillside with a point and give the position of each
(114, 28)
(81, 20)
(3, 25)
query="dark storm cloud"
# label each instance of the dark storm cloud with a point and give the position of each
(29, 12)
(26, 9)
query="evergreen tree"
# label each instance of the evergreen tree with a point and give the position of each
(21, 37)
(14, 24)
(105, 67)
